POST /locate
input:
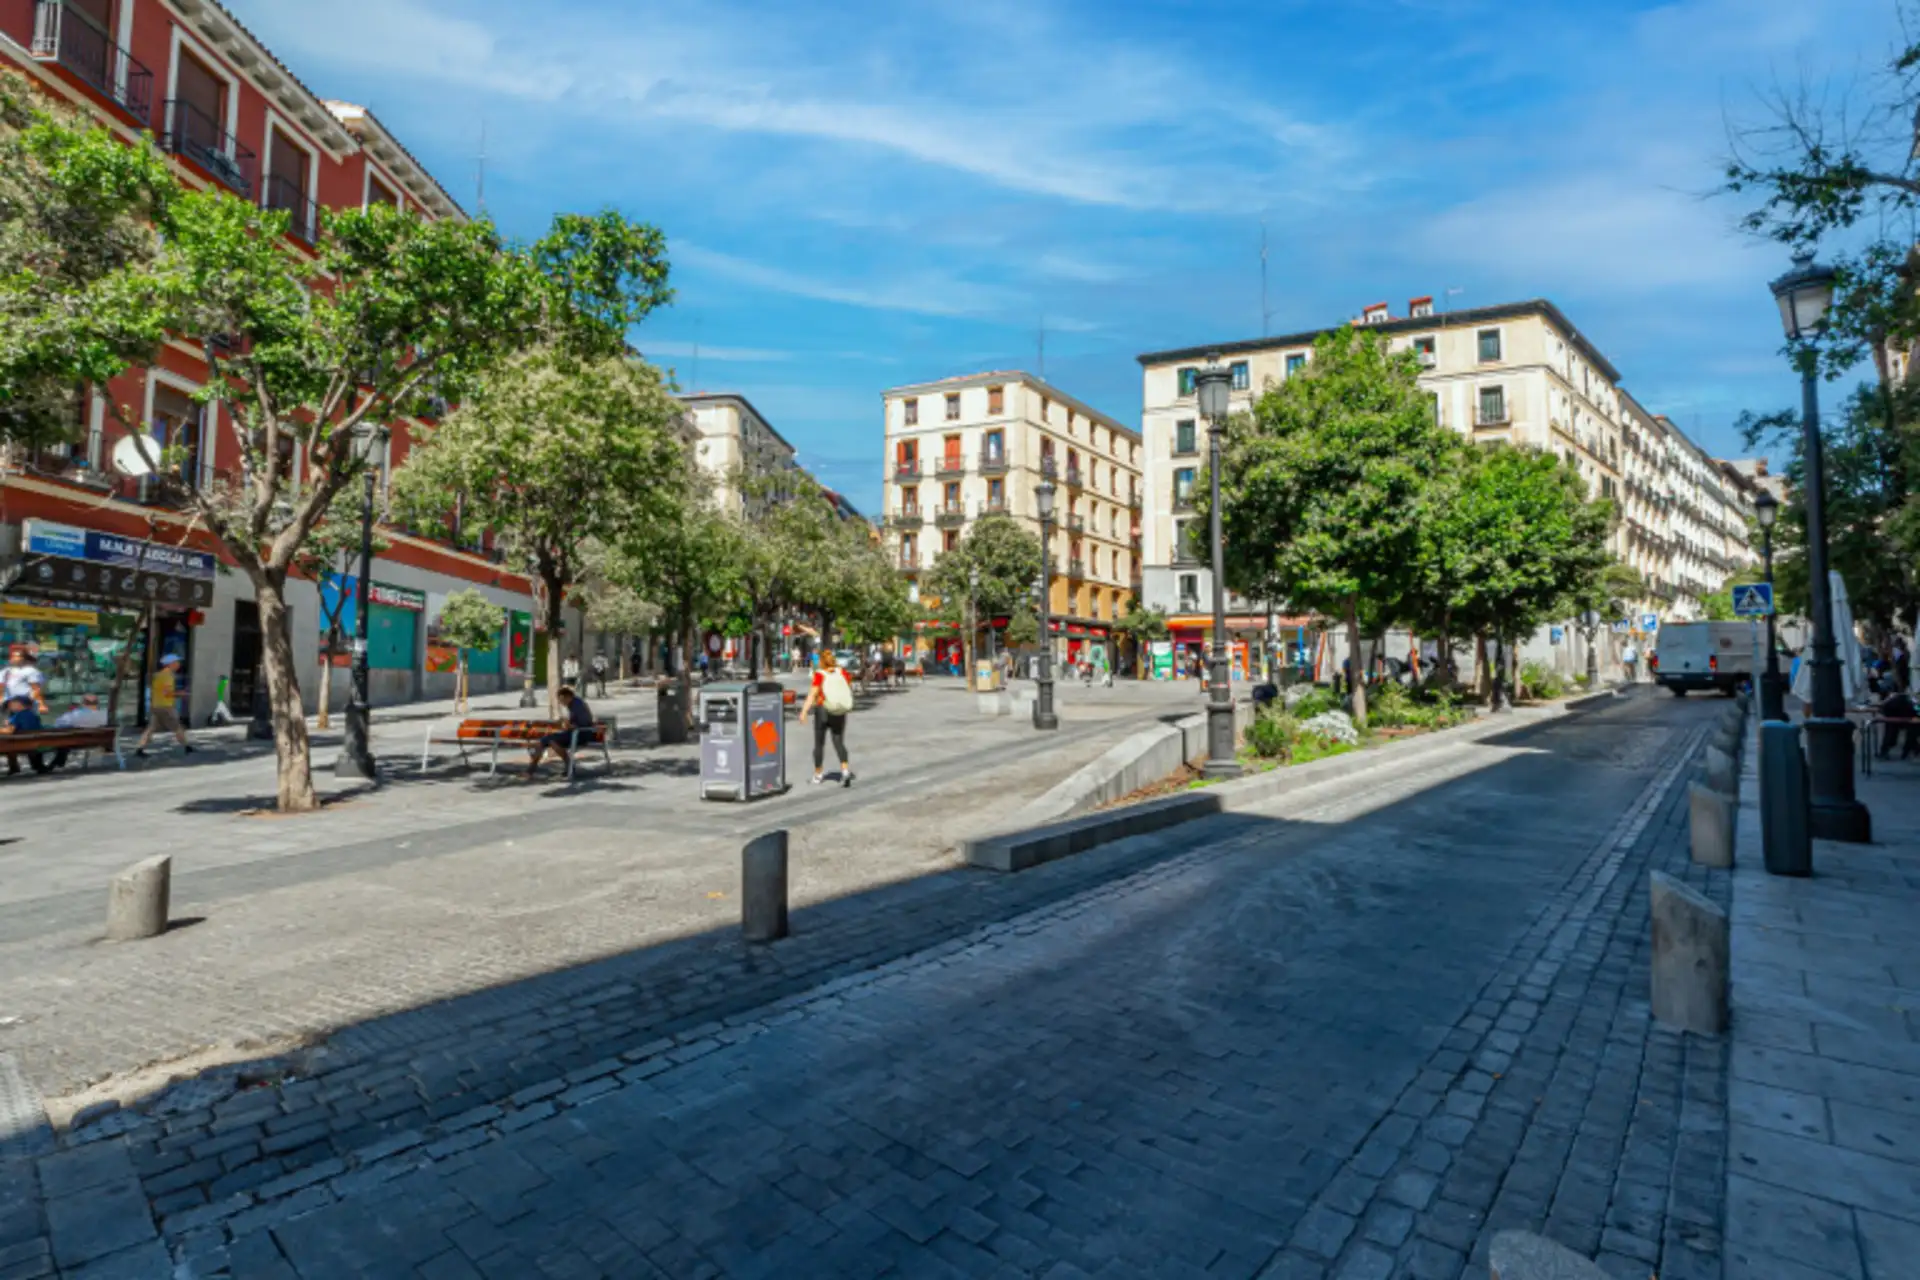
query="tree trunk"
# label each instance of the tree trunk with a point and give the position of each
(120, 670)
(1482, 676)
(293, 751)
(326, 676)
(555, 608)
(688, 639)
(1358, 681)
(459, 685)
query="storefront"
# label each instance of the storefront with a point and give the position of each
(93, 605)
(394, 656)
(1190, 639)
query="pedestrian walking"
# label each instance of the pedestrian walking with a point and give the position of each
(570, 670)
(164, 712)
(23, 678)
(1902, 664)
(1630, 659)
(834, 697)
(599, 675)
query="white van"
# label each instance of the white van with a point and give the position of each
(1703, 655)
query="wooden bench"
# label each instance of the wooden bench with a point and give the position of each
(34, 744)
(491, 734)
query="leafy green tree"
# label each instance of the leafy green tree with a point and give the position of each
(553, 452)
(1143, 626)
(612, 607)
(333, 546)
(1618, 592)
(82, 214)
(1007, 559)
(1523, 540)
(470, 622)
(1325, 485)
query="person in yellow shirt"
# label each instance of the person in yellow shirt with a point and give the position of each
(164, 713)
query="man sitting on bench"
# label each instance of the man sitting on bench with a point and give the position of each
(1899, 707)
(579, 725)
(21, 718)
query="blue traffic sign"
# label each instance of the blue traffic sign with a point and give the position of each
(1649, 622)
(1753, 600)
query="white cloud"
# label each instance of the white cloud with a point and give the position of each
(919, 292)
(718, 354)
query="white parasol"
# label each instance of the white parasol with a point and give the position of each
(1846, 647)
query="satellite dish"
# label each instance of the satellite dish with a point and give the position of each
(128, 461)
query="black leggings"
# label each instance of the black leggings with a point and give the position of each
(822, 723)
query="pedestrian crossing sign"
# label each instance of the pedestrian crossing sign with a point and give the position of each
(1753, 600)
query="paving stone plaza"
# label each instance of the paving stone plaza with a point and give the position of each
(1352, 1031)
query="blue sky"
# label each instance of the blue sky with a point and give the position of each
(860, 194)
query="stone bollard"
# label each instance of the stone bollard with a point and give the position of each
(994, 702)
(763, 888)
(1720, 771)
(1522, 1255)
(1710, 822)
(137, 900)
(1689, 958)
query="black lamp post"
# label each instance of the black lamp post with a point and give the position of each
(1773, 702)
(1212, 386)
(1043, 714)
(356, 756)
(973, 626)
(1590, 628)
(1804, 295)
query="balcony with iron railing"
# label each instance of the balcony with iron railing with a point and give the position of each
(192, 134)
(1049, 467)
(1076, 568)
(69, 38)
(285, 195)
(906, 468)
(1133, 501)
(1183, 502)
(1075, 479)
(994, 507)
(993, 462)
(948, 514)
(951, 464)
(907, 562)
(907, 518)
(1076, 522)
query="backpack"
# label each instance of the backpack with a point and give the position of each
(836, 695)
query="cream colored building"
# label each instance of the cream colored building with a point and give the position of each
(731, 437)
(1520, 373)
(980, 444)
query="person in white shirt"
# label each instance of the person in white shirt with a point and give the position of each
(1630, 659)
(88, 715)
(23, 679)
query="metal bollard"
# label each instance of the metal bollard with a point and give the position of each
(138, 898)
(763, 887)
(1786, 841)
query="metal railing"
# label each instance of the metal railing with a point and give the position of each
(908, 517)
(1049, 466)
(951, 464)
(908, 562)
(906, 468)
(1076, 568)
(284, 194)
(950, 513)
(992, 463)
(194, 135)
(70, 38)
(994, 507)
(1183, 502)
(1077, 522)
(1133, 501)
(1074, 477)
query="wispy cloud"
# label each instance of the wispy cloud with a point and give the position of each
(718, 354)
(924, 292)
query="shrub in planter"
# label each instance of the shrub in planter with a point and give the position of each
(1272, 734)
(1332, 726)
(1316, 701)
(1540, 681)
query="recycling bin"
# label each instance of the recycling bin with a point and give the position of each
(743, 740)
(670, 713)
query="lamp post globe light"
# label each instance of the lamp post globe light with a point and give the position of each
(1212, 385)
(1773, 702)
(1804, 294)
(1043, 714)
(356, 756)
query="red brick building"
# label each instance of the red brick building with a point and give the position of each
(89, 555)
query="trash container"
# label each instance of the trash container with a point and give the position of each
(743, 740)
(671, 712)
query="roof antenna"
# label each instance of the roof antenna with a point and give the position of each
(480, 172)
(1446, 301)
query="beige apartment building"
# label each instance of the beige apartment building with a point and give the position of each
(981, 444)
(1519, 372)
(731, 437)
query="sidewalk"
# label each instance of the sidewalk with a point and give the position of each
(1823, 1167)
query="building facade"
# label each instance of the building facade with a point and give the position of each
(981, 444)
(99, 566)
(732, 439)
(1519, 373)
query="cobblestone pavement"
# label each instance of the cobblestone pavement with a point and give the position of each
(430, 890)
(1351, 1034)
(1824, 1087)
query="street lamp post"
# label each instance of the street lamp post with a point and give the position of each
(1773, 702)
(1212, 385)
(356, 756)
(1043, 715)
(973, 626)
(1804, 295)
(1590, 628)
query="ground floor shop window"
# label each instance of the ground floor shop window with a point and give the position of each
(78, 647)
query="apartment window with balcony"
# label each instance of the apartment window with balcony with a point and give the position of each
(1493, 406)
(177, 426)
(1186, 380)
(1184, 438)
(953, 407)
(949, 539)
(996, 493)
(1489, 345)
(996, 446)
(285, 189)
(910, 499)
(1190, 589)
(996, 399)
(1241, 378)
(950, 495)
(909, 549)
(1295, 363)
(911, 407)
(1183, 487)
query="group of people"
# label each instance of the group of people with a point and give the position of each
(597, 668)
(24, 689)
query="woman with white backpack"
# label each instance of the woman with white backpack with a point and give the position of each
(833, 694)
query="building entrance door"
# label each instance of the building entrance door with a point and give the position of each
(245, 670)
